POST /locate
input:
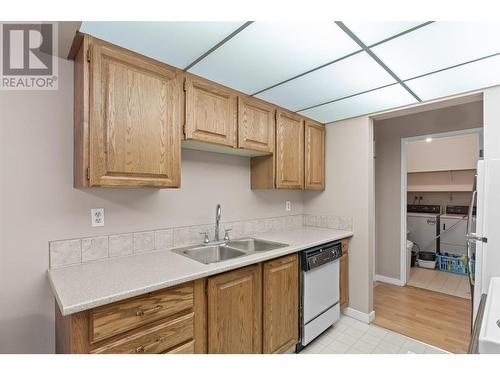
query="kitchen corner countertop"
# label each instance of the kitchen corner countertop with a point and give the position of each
(87, 285)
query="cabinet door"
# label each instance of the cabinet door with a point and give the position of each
(211, 111)
(344, 281)
(135, 120)
(255, 124)
(289, 151)
(280, 306)
(314, 156)
(235, 311)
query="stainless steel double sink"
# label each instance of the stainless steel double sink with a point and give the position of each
(214, 253)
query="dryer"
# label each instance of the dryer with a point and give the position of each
(453, 229)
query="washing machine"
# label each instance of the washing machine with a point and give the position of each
(422, 222)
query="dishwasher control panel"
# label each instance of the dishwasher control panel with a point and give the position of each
(320, 255)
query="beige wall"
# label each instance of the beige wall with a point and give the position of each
(349, 189)
(444, 154)
(388, 134)
(38, 203)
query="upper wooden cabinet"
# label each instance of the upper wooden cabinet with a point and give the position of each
(235, 311)
(132, 112)
(314, 156)
(289, 152)
(255, 124)
(280, 304)
(127, 118)
(211, 112)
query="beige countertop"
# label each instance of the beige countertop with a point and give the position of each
(87, 285)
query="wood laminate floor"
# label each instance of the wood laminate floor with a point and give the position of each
(434, 318)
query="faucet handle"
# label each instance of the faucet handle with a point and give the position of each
(226, 234)
(205, 240)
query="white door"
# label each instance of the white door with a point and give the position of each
(478, 247)
(491, 223)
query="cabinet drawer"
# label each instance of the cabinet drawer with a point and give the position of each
(154, 340)
(187, 348)
(109, 320)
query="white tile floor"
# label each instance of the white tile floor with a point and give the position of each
(350, 336)
(439, 281)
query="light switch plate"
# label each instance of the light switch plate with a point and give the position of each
(97, 217)
(288, 205)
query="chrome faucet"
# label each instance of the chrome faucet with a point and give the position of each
(218, 213)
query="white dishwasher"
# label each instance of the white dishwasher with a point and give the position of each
(319, 304)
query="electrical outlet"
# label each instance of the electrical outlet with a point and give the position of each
(97, 217)
(288, 205)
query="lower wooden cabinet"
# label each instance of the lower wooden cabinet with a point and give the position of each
(280, 304)
(171, 320)
(234, 318)
(253, 309)
(344, 275)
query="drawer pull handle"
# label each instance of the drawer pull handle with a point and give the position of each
(149, 311)
(144, 348)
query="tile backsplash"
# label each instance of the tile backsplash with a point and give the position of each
(68, 252)
(74, 251)
(63, 253)
(328, 221)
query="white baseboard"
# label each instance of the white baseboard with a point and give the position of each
(388, 280)
(358, 315)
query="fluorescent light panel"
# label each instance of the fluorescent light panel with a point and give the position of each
(266, 53)
(373, 32)
(370, 102)
(473, 76)
(174, 43)
(350, 76)
(439, 45)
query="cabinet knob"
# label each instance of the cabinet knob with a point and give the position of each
(148, 311)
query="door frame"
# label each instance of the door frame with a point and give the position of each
(403, 277)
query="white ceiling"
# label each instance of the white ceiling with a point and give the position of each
(325, 70)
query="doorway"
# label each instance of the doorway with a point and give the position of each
(406, 301)
(437, 175)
